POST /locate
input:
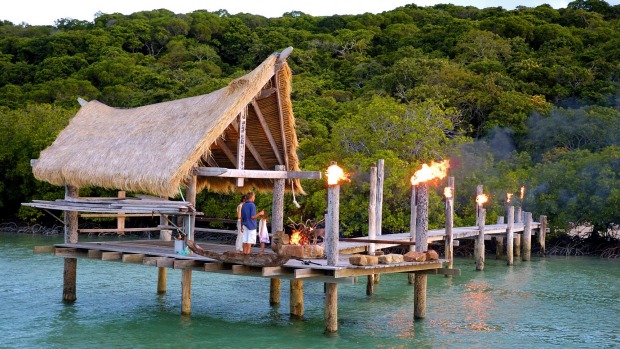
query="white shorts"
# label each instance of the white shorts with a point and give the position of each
(249, 236)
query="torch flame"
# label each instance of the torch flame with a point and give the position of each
(481, 199)
(522, 192)
(335, 174)
(447, 192)
(508, 197)
(427, 173)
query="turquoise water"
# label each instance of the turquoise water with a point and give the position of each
(546, 303)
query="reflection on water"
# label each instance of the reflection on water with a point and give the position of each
(529, 303)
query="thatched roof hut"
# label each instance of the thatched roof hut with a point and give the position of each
(155, 148)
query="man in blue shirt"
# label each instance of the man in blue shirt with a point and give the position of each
(248, 222)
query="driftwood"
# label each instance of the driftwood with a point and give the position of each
(252, 260)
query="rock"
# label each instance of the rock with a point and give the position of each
(432, 255)
(372, 260)
(413, 256)
(357, 259)
(385, 259)
(278, 239)
(396, 258)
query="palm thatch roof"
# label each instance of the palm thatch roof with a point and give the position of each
(155, 148)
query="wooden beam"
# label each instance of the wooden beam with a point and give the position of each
(276, 271)
(268, 133)
(133, 258)
(345, 272)
(43, 249)
(187, 264)
(229, 154)
(234, 173)
(282, 56)
(261, 95)
(241, 269)
(252, 150)
(95, 254)
(113, 215)
(116, 230)
(111, 256)
(379, 241)
(441, 271)
(70, 252)
(214, 266)
(211, 162)
(165, 262)
(152, 261)
(307, 273)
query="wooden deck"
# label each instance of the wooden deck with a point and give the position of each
(161, 254)
(491, 230)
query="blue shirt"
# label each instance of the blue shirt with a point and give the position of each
(247, 211)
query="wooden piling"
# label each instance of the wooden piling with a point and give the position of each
(372, 224)
(412, 226)
(421, 241)
(297, 298)
(481, 224)
(277, 224)
(71, 236)
(449, 240)
(510, 235)
(542, 235)
(274, 291)
(186, 291)
(331, 307)
(191, 197)
(164, 235)
(499, 241)
(527, 237)
(370, 285)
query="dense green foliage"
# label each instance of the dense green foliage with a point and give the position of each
(521, 97)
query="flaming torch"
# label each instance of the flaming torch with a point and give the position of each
(334, 175)
(481, 199)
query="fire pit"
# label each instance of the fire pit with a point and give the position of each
(302, 243)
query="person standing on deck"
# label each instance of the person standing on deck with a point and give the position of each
(248, 222)
(239, 241)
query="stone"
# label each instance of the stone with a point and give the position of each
(357, 259)
(372, 260)
(277, 240)
(385, 259)
(413, 256)
(396, 258)
(432, 255)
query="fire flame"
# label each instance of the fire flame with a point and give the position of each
(508, 197)
(447, 192)
(522, 192)
(430, 172)
(481, 199)
(335, 174)
(298, 237)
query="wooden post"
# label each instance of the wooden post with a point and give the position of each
(372, 209)
(481, 224)
(449, 239)
(372, 224)
(421, 241)
(331, 307)
(241, 143)
(517, 236)
(297, 298)
(277, 224)
(274, 291)
(479, 191)
(509, 235)
(527, 237)
(379, 207)
(499, 241)
(120, 220)
(542, 234)
(186, 291)
(71, 237)
(191, 197)
(332, 230)
(164, 235)
(412, 225)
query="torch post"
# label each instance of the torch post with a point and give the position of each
(510, 235)
(527, 237)
(331, 232)
(421, 245)
(372, 224)
(480, 245)
(412, 226)
(449, 239)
